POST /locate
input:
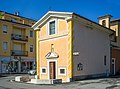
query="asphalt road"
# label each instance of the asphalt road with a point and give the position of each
(104, 83)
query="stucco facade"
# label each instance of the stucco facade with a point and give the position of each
(60, 41)
(92, 44)
(78, 47)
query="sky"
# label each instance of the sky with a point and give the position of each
(35, 9)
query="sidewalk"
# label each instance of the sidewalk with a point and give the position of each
(12, 74)
(2, 75)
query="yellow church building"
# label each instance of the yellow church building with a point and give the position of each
(71, 47)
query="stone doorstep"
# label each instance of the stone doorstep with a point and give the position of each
(51, 81)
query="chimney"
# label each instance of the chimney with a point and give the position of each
(17, 13)
(105, 20)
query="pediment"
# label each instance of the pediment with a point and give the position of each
(51, 14)
(52, 55)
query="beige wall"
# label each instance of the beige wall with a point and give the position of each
(92, 46)
(31, 41)
(5, 38)
(60, 47)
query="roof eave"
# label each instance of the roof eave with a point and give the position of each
(110, 31)
(18, 16)
(47, 16)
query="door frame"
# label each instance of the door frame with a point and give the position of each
(48, 67)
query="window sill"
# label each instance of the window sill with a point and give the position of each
(61, 74)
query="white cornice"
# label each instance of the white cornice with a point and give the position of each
(50, 14)
(68, 16)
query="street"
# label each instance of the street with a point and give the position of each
(103, 83)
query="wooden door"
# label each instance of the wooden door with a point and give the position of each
(52, 70)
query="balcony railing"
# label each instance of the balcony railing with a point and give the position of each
(19, 37)
(19, 53)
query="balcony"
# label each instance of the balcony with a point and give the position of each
(19, 37)
(19, 53)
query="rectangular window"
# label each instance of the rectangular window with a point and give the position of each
(52, 28)
(31, 33)
(105, 60)
(31, 48)
(62, 71)
(5, 28)
(43, 70)
(5, 45)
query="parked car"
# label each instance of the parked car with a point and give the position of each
(32, 72)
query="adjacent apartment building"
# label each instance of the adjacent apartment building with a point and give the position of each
(113, 24)
(71, 47)
(17, 43)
